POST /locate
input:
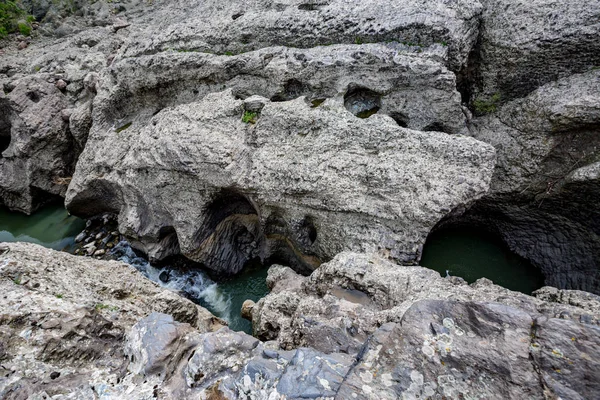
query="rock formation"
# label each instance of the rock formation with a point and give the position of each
(331, 136)
(358, 328)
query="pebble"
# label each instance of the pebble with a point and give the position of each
(91, 250)
(80, 237)
(99, 236)
(22, 45)
(99, 253)
(61, 85)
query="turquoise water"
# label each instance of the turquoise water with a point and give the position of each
(50, 227)
(473, 254)
(249, 284)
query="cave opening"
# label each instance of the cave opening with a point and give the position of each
(471, 251)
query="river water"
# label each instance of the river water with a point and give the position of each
(462, 252)
(473, 254)
(52, 227)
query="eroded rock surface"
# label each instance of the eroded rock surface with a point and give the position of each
(417, 335)
(63, 320)
(302, 183)
(526, 44)
(541, 198)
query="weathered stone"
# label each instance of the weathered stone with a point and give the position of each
(526, 44)
(63, 320)
(541, 199)
(269, 164)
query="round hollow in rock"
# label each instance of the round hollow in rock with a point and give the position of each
(362, 102)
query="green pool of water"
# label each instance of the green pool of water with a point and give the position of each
(250, 284)
(50, 227)
(473, 254)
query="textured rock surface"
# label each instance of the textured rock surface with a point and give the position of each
(43, 123)
(542, 198)
(417, 335)
(525, 44)
(335, 181)
(346, 299)
(63, 320)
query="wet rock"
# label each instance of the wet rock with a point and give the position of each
(80, 237)
(246, 311)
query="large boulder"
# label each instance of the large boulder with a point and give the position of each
(415, 334)
(300, 184)
(236, 26)
(45, 115)
(341, 303)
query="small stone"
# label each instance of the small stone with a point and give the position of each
(91, 250)
(80, 237)
(99, 235)
(247, 308)
(54, 375)
(99, 253)
(164, 276)
(60, 84)
(22, 45)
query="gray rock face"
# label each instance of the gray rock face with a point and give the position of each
(45, 116)
(302, 183)
(415, 88)
(526, 44)
(237, 26)
(340, 304)
(541, 199)
(417, 335)
(30, 125)
(63, 321)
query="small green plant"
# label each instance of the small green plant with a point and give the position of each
(228, 53)
(10, 16)
(249, 117)
(101, 306)
(122, 128)
(17, 280)
(487, 106)
(59, 296)
(24, 28)
(358, 40)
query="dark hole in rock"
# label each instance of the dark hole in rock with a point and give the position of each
(5, 127)
(435, 127)
(33, 96)
(307, 230)
(362, 102)
(311, 6)
(401, 119)
(236, 15)
(230, 234)
(292, 89)
(472, 252)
